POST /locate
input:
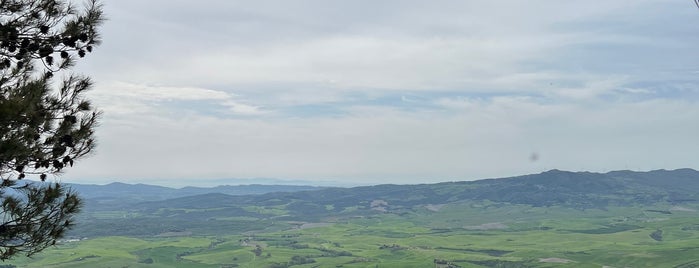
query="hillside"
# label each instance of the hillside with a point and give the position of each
(129, 193)
(553, 219)
(579, 190)
(207, 213)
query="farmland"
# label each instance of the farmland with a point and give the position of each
(467, 235)
(553, 219)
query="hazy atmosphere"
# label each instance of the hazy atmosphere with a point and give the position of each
(392, 91)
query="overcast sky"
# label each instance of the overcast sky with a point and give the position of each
(402, 91)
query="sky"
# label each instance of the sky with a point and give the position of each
(370, 92)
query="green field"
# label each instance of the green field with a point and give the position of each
(469, 234)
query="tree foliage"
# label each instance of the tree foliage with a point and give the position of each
(45, 125)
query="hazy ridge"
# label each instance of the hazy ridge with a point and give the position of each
(200, 208)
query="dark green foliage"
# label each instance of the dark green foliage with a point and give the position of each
(257, 250)
(691, 264)
(146, 261)
(333, 253)
(491, 252)
(298, 260)
(659, 211)
(35, 216)
(43, 129)
(657, 235)
(617, 228)
(502, 264)
(439, 263)
(694, 227)
(295, 260)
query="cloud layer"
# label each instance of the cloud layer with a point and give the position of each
(396, 91)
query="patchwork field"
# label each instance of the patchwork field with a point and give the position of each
(469, 234)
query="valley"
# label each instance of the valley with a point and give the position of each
(584, 220)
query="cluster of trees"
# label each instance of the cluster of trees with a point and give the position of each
(295, 260)
(45, 124)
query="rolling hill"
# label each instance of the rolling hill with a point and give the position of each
(209, 212)
(552, 219)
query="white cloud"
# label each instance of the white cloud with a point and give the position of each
(243, 109)
(162, 93)
(490, 138)
(427, 91)
(128, 98)
(398, 45)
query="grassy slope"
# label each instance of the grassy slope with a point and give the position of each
(617, 237)
(591, 219)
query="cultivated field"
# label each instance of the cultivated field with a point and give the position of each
(468, 234)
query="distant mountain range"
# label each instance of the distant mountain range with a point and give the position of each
(150, 209)
(554, 187)
(124, 192)
(580, 190)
